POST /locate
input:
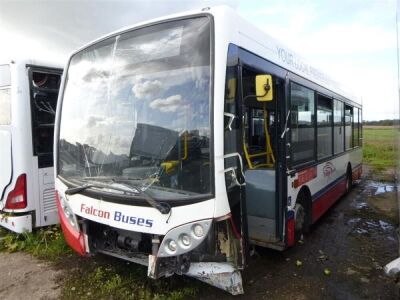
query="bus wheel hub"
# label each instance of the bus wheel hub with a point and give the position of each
(299, 216)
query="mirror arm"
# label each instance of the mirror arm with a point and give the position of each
(255, 96)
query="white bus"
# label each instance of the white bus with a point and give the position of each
(28, 100)
(183, 141)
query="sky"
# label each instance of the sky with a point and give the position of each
(352, 41)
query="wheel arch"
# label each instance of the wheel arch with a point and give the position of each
(305, 199)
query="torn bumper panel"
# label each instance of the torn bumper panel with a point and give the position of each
(221, 275)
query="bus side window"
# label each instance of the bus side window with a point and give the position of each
(302, 124)
(355, 127)
(360, 127)
(338, 130)
(5, 95)
(324, 127)
(348, 120)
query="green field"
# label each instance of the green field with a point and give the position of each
(380, 147)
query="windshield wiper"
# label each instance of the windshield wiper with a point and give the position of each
(78, 189)
(162, 207)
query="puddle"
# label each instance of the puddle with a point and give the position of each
(384, 189)
(353, 221)
(378, 188)
(385, 225)
(390, 238)
(369, 226)
(361, 231)
(361, 205)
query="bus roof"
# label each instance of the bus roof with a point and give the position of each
(246, 35)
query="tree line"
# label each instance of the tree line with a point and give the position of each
(386, 122)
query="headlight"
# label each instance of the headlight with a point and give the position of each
(198, 230)
(68, 213)
(172, 246)
(185, 238)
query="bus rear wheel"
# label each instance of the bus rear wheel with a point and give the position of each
(301, 216)
(349, 180)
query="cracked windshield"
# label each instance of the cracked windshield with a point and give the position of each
(136, 112)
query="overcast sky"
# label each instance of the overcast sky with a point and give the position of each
(353, 41)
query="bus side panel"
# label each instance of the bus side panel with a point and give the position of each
(5, 162)
(48, 205)
(327, 197)
(331, 181)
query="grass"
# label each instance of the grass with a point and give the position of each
(47, 243)
(98, 277)
(379, 148)
(115, 279)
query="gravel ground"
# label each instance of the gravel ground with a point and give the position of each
(24, 277)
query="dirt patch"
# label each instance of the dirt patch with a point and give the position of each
(385, 205)
(24, 277)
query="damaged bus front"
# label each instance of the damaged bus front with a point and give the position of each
(135, 159)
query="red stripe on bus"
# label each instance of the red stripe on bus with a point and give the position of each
(305, 176)
(324, 202)
(73, 237)
(290, 232)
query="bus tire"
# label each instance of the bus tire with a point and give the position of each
(349, 180)
(302, 216)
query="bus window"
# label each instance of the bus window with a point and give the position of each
(360, 126)
(324, 127)
(302, 123)
(348, 120)
(338, 130)
(5, 106)
(355, 127)
(5, 76)
(5, 95)
(231, 126)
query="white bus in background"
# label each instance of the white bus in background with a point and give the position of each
(28, 99)
(182, 142)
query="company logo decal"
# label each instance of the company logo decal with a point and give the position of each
(117, 216)
(328, 169)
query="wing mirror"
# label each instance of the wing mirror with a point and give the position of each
(264, 89)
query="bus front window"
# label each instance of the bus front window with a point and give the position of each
(136, 109)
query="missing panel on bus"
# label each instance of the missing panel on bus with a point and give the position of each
(44, 87)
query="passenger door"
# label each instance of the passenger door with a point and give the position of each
(259, 145)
